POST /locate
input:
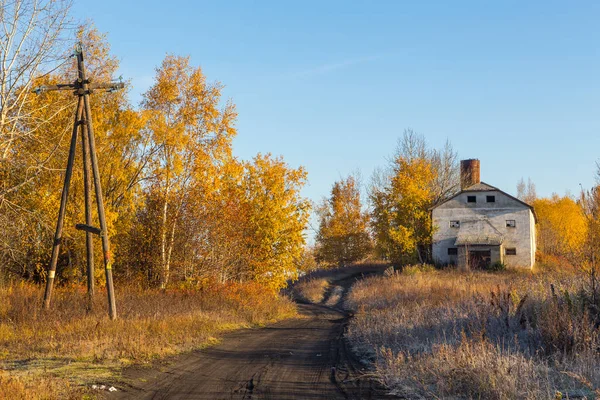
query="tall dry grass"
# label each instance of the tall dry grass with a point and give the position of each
(78, 347)
(317, 284)
(447, 334)
(312, 290)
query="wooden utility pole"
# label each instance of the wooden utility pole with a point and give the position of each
(82, 88)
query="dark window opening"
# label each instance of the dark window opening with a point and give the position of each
(491, 199)
(454, 224)
(471, 199)
(511, 223)
(452, 251)
(511, 251)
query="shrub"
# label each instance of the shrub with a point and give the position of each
(417, 269)
(312, 290)
(496, 266)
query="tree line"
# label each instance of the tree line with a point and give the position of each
(396, 226)
(180, 208)
(394, 223)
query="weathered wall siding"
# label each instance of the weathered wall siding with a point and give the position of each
(533, 237)
(505, 208)
(502, 201)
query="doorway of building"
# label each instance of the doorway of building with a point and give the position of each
(480, 259)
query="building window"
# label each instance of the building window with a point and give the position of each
(510, 251)
(491, 199)
(471, 199)
(511, 223)
(452, 251)
(454, 224)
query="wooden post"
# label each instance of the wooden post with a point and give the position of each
(83, 117)
(112, 309)
(63, 207)
(89, 244)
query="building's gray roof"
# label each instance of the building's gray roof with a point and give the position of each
(480, 187)
(484, 187)
(478, 232)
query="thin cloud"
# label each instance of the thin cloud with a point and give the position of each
(327, 68)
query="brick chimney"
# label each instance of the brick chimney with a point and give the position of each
(470, 171)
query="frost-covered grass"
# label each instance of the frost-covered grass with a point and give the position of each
(449, 334)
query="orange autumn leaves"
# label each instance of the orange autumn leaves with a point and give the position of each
(412, 193)
(397, 225)
(180, 207)
(241, 220)
(416, 178)
(342, 237)
(562, 226)
(568, 229)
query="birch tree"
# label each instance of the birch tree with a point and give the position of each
(526, 191)
(416, 178)
(32, 43)
(28, 215)
(191, 134)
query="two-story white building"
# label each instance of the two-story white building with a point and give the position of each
(483, 225)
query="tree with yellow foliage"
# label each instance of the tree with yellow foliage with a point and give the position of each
(562, 226)
(401, 198)
(277, 217)
(30, 209)
(248, 228)
(179, 206)
(343, 228)
(590, 254)
(190, 135)
(411, 230)
(32, 36)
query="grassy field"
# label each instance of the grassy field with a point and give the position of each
(62, 353)
(508, 335)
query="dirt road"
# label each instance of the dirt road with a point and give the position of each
(301, 358)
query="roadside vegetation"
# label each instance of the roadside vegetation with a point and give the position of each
(312, 290)
(203, 241)
(451, 334)
(343, 236)
(494, 334)
(319, 286)
(75, 349)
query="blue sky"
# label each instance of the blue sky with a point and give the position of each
(331, 85)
